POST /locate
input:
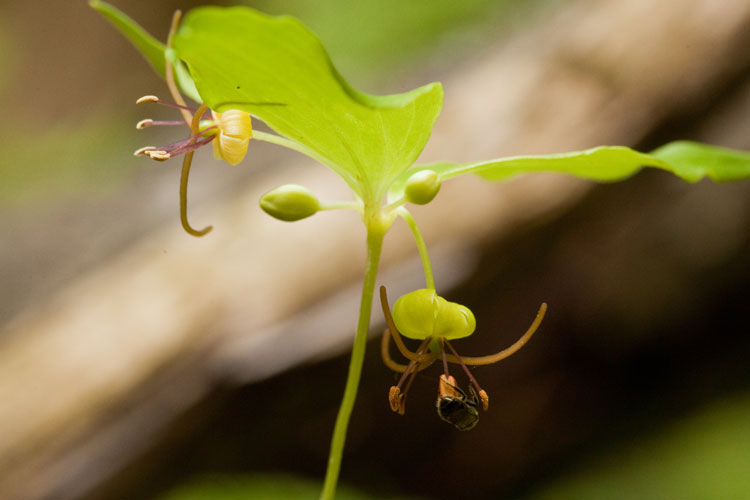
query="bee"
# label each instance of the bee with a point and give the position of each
(455, 406)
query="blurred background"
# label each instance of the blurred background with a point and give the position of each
(137, 362)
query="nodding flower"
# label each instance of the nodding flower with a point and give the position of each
(424, 315)
(229, 132)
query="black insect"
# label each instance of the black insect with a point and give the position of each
(455, 407)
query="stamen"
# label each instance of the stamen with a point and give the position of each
(148, 122)
(142, 151)
(147, 98)
(169, 148)
(445, 361)
(404, 376)
(177, 148)
(158, 155)
(190, 145)
(402, 400)
(160, 123)
(156, 100)
(394, 398)
(485, 398)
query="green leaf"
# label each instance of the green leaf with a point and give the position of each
(690, 161)
(151, 48)
(276, 69)
(693, 161)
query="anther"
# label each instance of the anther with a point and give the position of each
(158, 155)
(485, 399)
(147, 98)
(144, 123)
(447, 386)
(143, 151)
(480, 391)
(394, 398)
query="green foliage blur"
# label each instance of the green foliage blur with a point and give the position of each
(261, 487)
(367, 40)
(706, 456)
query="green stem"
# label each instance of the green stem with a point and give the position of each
(395, 205)
(375, 234)
(404, 213)
(341, 205)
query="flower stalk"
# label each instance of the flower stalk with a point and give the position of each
(375, 234)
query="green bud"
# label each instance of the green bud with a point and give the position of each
(422, 187)
(423, 313)
(289, 202)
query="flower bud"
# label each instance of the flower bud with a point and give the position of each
(423, 313)
(289, 202)
(422, 187)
